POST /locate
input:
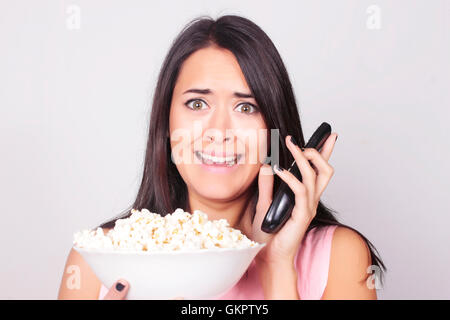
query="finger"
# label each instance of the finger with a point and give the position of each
(298, 188)
(324, 170)
(328, 146)
(307, 172)
(118, 290)
(296, 225)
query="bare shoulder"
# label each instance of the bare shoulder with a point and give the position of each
(349, 260)
(348, 243)
(78, 280)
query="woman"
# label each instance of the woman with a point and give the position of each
(222, 76)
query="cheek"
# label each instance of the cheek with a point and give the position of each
(176, 118)
(181, 135)
(257, 147)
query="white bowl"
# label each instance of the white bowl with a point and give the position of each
(199, 274)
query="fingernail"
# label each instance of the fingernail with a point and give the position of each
(336, 138)
(294, 141)
(303, 149)
(278, 168)
(119, 286)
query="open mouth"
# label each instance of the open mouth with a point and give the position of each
(227, 161)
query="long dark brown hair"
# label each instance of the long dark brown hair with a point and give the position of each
(162, 189)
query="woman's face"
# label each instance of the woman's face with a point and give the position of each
(215, 122)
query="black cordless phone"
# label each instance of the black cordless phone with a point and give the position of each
(284, 199)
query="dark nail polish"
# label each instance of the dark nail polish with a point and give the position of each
(294, 141)
(336, 138)
(119, 286)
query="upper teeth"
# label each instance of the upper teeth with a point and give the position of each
(216, 159)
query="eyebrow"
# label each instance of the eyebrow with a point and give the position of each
(208, 91)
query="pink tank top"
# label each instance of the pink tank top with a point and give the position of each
(311, 262)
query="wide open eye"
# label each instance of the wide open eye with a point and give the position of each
(246, 108)
(196, 104)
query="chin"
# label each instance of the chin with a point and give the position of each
(216, 191)
(216, 186)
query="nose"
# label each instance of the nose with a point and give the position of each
(213, 138)
(219, 128)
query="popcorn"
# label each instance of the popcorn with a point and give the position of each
(147, 231)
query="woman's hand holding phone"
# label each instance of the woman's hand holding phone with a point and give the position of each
(282, 247)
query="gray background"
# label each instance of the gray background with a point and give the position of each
(75, 107)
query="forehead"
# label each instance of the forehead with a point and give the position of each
(214, 68)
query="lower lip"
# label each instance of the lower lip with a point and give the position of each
(214, 168)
